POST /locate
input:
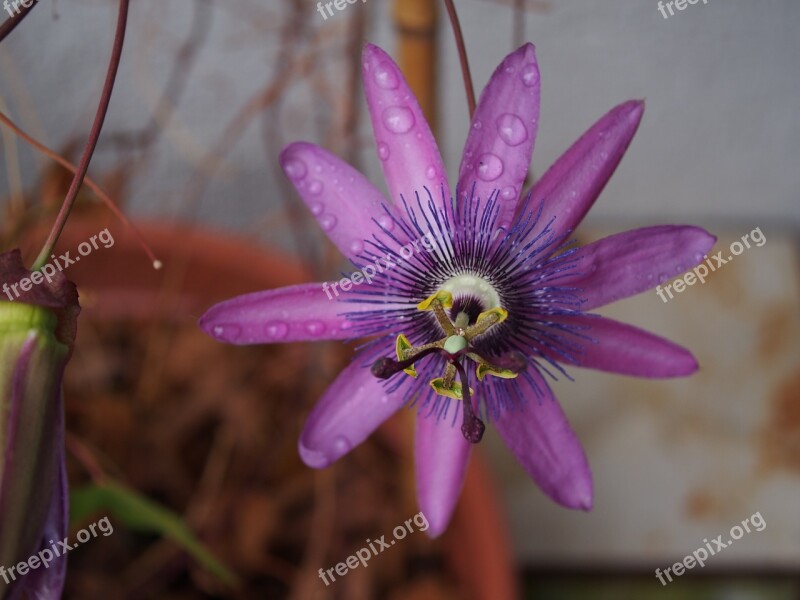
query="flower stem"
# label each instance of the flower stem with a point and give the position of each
(462, 55)
(91, 143)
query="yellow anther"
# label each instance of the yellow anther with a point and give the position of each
(401, 347)
(498, 313)
(485, 369)
(444, 298)
(453, 391)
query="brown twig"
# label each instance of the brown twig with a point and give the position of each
(91, 143)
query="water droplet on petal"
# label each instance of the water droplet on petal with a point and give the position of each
(698, 257)
(276, 330)
(228, 333)
(315, 187)
(315, 327)
(662, 277)
(386, 222)
(318, 168)
(385, 77)
(341, 445)
(490, 167)
(649, 277)
(398, 119)
(295, 169)
(356, 247)
(508, 193)
(604, 155)
(477, 124)
(317, 208)
(431, 172)
(327, 222)
(511, 129)
(530, 75)
(383, 151)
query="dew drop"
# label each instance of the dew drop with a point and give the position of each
(295, 169)
(431, 172)
(477, 124)
(649, 277)
(508, 193)
(511, 129)
(228, 333)
(398, 119)
(385, 77)
(356, 247)
(318, 168)
(383, 151)
(530, 75)
(386, 222)
(341, 445)
(662, 277)
(315, 187)
(327, 222)
(698, 257)
(315, 327)
(490, 167)
(276, 330)
(317, 208)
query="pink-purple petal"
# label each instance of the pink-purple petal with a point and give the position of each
(500, 143)
(406, 147)
(571, 185)
(629, 263)
(352, 407)
(348, 208)
(540, 437)
(621, 348)
(310, 311)
(441, 455)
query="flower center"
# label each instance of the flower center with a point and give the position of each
(454, 347)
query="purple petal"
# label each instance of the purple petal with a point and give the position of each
(624, 349)
(500, 142)
(409, 155)
(344, 202)
(441, 455)
(570, 187)
(538, 434)
(354, 405)
(631, 262)
(291, 314)
(48, 584)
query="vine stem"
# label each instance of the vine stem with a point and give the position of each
(91, 143)
(91, 184)
(462, 55)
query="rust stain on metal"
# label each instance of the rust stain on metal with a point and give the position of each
(775, 332)
(700, 504)
(780, 437)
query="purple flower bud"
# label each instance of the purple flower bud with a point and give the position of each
(36, 335)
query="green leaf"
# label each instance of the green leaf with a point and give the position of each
(142, 514)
